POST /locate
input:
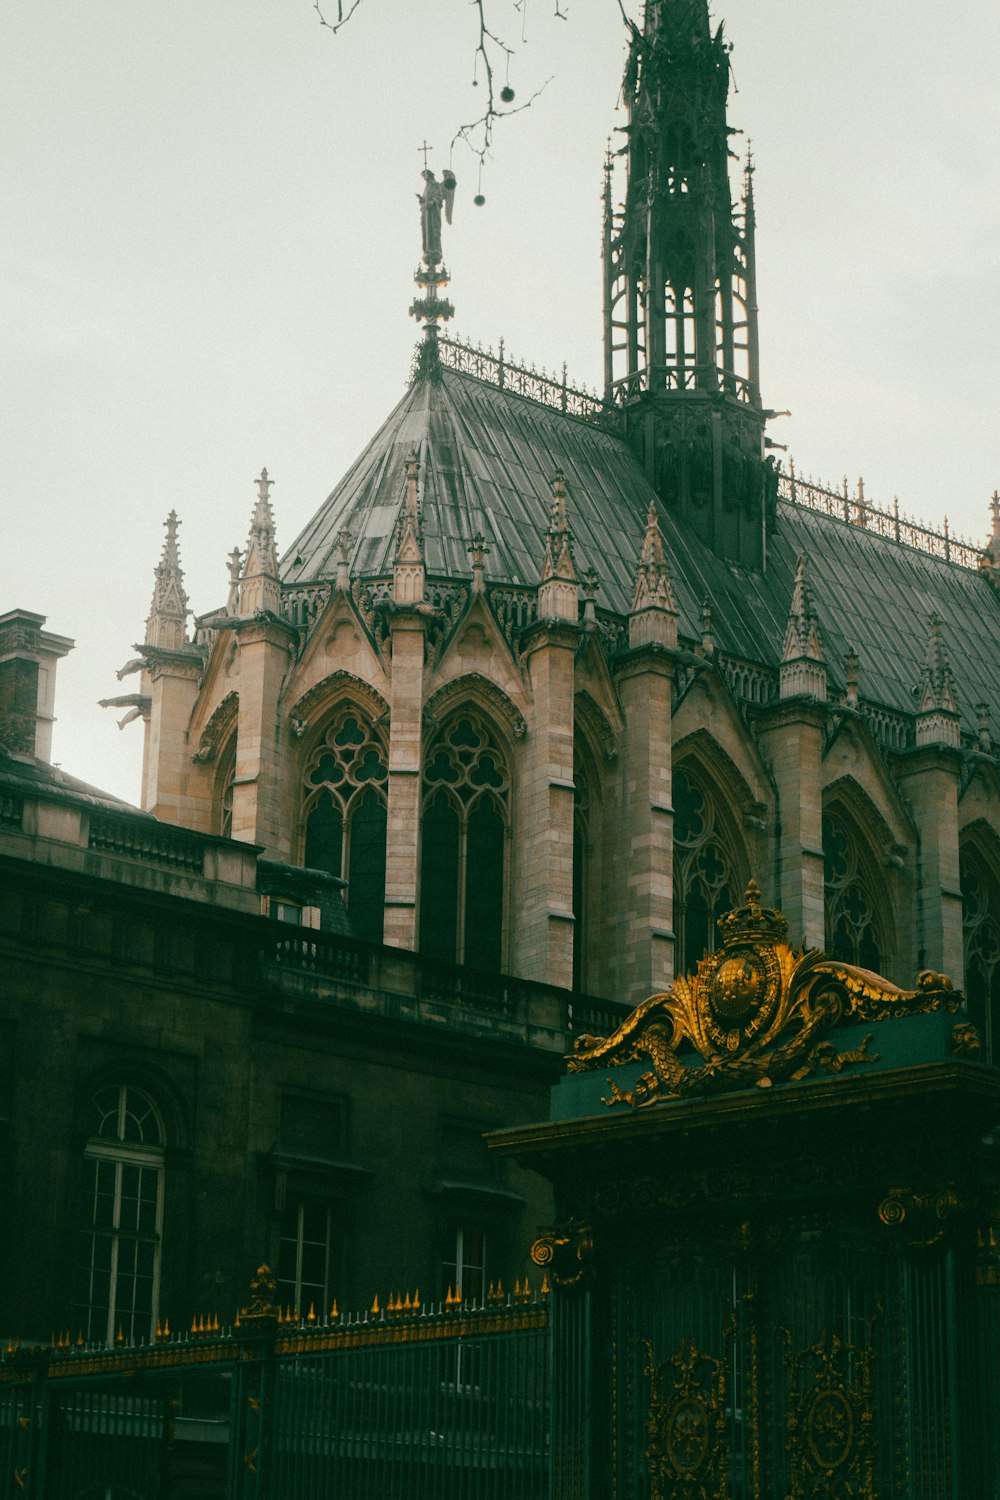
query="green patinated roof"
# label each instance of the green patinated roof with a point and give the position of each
(487, 459)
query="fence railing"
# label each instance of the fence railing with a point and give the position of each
(400, 1402)
(147, 841)
(856, 510)
(539, 386)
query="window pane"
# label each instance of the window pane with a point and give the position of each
(366, 888)
(325, 836)
(439, 881)
(484, 886)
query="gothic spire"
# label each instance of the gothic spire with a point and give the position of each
(408, 562)
(653, 616)
(260, 589)
(558, 591)
(802, 669)
(680, 299)
(167, 621)
(937, 686)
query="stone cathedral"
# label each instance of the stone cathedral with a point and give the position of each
(549, 676)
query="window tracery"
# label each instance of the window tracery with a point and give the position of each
(463, 848)
(344, 815)
(981, 934)
(853, 930)
(709, 873)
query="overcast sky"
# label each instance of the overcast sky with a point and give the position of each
(210, 230)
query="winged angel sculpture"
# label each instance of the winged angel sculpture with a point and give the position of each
(756, 1012)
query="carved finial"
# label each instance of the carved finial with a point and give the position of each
(653, 616)
(168, 612)
(260, 590)
(994, 544)
(559, 544)
(802, 670)
(851, 679)
(558, 593)
(408, 568)
(344, 541)
(707, 640)
(985, 739)
(478, 551)
(234, 562)
(937, 683)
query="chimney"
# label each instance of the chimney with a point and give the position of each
(28, 658)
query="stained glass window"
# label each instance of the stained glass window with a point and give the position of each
(981, 924)
(227, 784)
(345, 816)
(463, 846)
(708, 873)
(852, 925)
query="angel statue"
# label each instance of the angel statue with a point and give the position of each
(435, 196)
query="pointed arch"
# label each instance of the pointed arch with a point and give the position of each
(475, 690)
(748, 803)
(344, 808)
(464, 841)
(979, 872)
(858, 914)
(325, 695)
(711, 864)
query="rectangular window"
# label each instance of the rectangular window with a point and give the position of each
(121, 1224)
(464, 1265)
(305, 1256)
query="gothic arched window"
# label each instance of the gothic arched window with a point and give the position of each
(708, 873)
(226, 782)
(853, 930)
(981, 928)
(121, 1220)
(463, 845)
(344, 815)
(581, 871)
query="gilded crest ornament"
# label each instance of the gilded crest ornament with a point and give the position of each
(756, 1012)
(687, 1431)
(830, 1418)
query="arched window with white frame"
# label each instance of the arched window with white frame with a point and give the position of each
(466, 801)
(121, 1215)
(345, 814)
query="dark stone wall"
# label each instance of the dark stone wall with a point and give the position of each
(105, 983)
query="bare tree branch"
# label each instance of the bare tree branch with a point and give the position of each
(342, 18)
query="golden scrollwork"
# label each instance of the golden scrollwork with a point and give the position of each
(922, 1218)
(756, 1012)
(688, 1442)
(831, 1420)
(564, 1252)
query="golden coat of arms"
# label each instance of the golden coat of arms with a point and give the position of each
(756, 1012)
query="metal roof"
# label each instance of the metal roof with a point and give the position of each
(487, 459)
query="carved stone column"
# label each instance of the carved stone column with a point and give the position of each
(265, 648)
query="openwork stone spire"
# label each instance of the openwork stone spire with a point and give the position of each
(260, 589)
(937, 718)
(653, 616)
(167, 622)
(802, 669)
(990, 560)
(558, 592)
(408, 563)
